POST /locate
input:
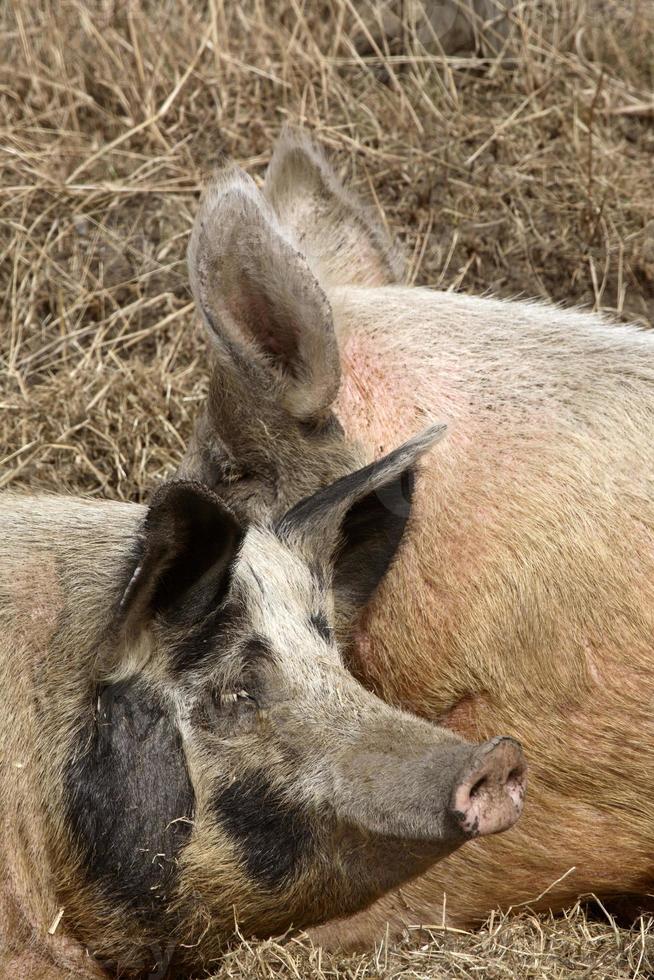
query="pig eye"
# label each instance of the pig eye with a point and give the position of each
(321, 626)
(231, 697)
(234, 699)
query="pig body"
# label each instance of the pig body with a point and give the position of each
(524, 597)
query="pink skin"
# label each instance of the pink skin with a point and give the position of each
(490, 797)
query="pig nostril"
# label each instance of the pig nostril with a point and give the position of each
(477, 787)
(490, 796)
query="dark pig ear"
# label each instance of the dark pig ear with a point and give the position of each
(258, 297)
(360, 519)
(189, 542)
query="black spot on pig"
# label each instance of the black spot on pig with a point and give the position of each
(130, 801)
(200, 644)
(322, 627)
(273, 835)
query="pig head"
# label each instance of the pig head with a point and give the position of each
(183, 750)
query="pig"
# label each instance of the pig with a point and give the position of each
(183, 751)
(523, 598)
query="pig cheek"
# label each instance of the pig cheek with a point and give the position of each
(130, 802)
(273, 835)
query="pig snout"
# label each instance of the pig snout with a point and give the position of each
(489, 792)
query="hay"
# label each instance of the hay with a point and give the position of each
(534, 180)
(538, 947)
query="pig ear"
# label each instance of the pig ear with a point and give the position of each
(261, 302)
(359, 520)
(344, 242)
(189, 542)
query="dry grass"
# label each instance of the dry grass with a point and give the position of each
(570, 947)
(531, 180)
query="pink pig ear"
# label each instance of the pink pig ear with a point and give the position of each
(343, 240)
(258, 297)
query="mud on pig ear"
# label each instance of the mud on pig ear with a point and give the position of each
(188, 544)
(359, 521)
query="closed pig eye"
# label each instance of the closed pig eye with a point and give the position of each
(232, 712)
(321, 625)
(229, 699)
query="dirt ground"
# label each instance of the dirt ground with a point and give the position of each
(529, 174)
